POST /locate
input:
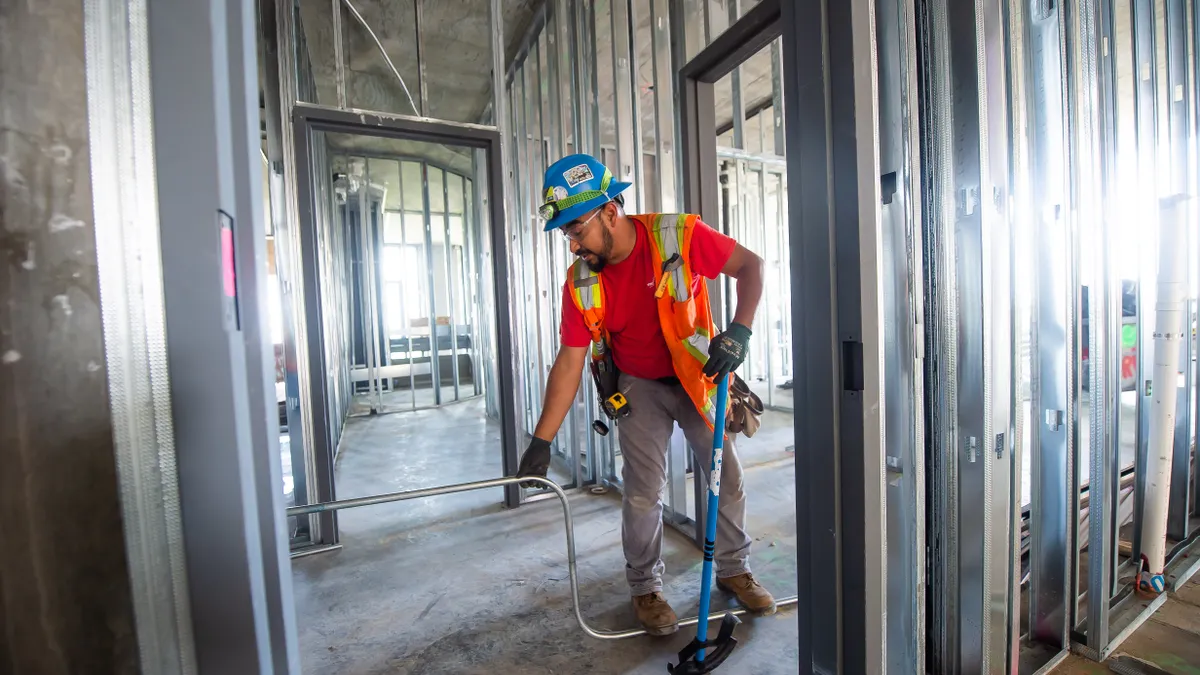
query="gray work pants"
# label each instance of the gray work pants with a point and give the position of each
(655, 407)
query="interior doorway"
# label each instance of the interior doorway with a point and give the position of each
(416, 316)
(403, 309)
(754, 211)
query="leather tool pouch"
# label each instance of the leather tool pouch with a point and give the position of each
(745, 413)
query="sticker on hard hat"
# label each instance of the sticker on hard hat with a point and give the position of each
(578, 174)
(560, 193)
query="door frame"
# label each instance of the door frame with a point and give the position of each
(696, 80)
(309, 119)
(835, 335)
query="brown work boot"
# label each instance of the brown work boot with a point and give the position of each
(751, 594)
(655, 615)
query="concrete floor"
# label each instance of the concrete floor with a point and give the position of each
(407, 451)
(401, 399)
(1169, 642)
(457, 584)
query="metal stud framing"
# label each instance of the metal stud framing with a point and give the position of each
(991, 105)
(903, 319)
(1145, 97)
(832, 170)
(1093, 113)
(965, 121)
(1052, 418)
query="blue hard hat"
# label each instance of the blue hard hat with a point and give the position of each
(573, 186)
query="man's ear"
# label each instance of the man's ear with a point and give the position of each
(610, 209)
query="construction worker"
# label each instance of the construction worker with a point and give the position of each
(638, 290)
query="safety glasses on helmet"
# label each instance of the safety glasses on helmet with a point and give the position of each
(574, 229)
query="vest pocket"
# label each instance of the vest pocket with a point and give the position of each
(684, 314)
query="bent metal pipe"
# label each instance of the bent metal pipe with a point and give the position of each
(570, 528)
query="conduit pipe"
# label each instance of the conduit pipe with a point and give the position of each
(597, 633)
(1168, 332)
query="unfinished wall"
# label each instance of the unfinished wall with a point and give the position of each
(65, 604)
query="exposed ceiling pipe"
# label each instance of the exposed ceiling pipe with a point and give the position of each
(353, 10)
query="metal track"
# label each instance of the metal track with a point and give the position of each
(570, 530)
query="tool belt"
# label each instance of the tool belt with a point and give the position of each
(745, 413)
(606, 377)
(746, 409)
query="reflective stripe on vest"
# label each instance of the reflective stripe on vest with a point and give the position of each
(587, 291)
(687, 340)
(668, 232)
(672, 234)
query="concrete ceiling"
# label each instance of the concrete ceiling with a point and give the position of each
(456, 36)
(456, 47)
(455, 158)
(456, 42)
(458, 71)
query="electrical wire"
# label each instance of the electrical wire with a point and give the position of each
(354, 11)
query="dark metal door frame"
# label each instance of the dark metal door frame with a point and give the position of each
(823, 166)
(308, 119)
(698, 155)
(755, 31)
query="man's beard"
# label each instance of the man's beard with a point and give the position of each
(601, 258)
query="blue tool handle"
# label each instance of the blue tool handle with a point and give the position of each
(710, 523)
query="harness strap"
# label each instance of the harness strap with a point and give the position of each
(588, 292)
(669, 231)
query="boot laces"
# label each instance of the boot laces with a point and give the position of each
(652, 598)
(747, 581)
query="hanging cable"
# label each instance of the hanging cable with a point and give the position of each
(354, 11)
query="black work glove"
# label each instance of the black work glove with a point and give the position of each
(727, 351)
(535, 462)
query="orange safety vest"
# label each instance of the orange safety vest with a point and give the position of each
(686, 320)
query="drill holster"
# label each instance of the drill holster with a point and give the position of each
(607, 379)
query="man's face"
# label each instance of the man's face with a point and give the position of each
(591, 237)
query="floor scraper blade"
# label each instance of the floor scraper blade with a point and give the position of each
(715, 650)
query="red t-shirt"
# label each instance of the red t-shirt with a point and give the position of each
(630, 308)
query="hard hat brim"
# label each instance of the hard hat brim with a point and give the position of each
(615, 187)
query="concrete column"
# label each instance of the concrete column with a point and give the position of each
(65, 601)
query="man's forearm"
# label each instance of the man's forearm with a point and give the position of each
(749, 291)
(561, 387)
